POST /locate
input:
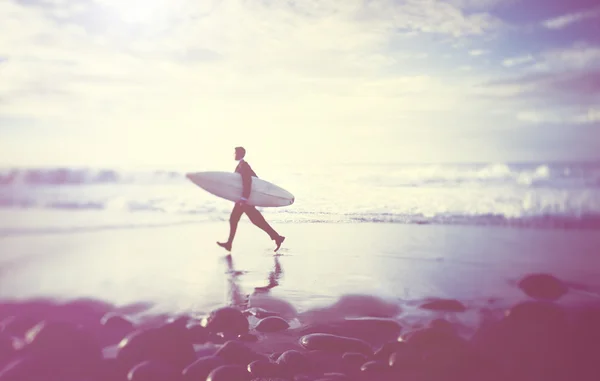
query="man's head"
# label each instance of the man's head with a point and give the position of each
(240, 152)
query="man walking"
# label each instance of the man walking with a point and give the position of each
(244, 169)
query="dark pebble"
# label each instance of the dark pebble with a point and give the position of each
(405, 358)
(6, 347)
(263, 368)
(293, 362)
(446, 305)
(260, 313)
(325, 361)
(235, 352)
(272, 324)
(153, 371)
(387, 349)
(334, 343)
(351, 362)
(334, 377)
(17, 325)
(169, 344)
(373, 370)
(111, 370)
(198, 333)
(248, 338)
(543, 287)
(537, 316)
(115, 327)
(370, 329)
(229, 373)
(201, 368)
(227, 320)
(66, 346)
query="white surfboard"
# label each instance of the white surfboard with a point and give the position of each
(228, 185)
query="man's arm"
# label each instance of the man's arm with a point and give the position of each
(246, 181)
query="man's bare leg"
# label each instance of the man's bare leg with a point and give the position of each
(259, 220)
(234, 219)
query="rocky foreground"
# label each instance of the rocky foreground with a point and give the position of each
(358, 338)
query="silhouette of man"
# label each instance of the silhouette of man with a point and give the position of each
(241, 207)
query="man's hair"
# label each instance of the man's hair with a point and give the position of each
(242, 150)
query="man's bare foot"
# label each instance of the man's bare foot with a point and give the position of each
(225, 245)
(279, 241)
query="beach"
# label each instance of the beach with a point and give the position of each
(323, 272)
(389, 272)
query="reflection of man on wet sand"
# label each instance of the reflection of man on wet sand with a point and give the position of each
(273, 277)
(235, 296)
(244, 169)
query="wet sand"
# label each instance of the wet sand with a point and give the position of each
(344, 295)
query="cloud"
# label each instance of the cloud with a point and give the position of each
(591, 116)
(573, 87)
(91, 48)
(576, 57)
(480, 4)
(478, 52)
(131, 76)
(571, 18)
(562, 74)
(516, 61)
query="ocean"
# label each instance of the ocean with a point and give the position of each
(546, 195)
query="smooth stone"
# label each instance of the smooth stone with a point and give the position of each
(64, 344)
(375, 331)
(272, 304)
(260, 313)
(432, 339)
(352, 361)
(111, 370)
(586, 342)
(543, 287)
(6, 347)
(375, 369)
(201, 368)
(387, 349)
(405, 358)
(533, 341)
(227, 320)
(354, 305)
(229, 373)
(333, 343)
(169, 344)
(443, 325)
(30, 367)
(248, 338)
(263, 368)
(293, 362)
(325, 361)
(235, 352)
(536, 316)
(115, 327)
(17, 325)
(446, 305)
(198, 333)
(272, 324)
(153, 371)
(334, 377)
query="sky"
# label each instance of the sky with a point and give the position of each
(168, 83)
